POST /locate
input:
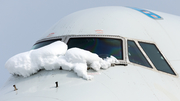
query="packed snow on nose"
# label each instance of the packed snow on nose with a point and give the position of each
(54, 56)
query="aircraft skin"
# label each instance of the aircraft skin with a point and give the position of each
(127, 82)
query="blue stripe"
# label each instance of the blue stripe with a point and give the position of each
(148, 13)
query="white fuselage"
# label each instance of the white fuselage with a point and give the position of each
(127, 82)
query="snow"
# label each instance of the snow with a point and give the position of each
(55, 56)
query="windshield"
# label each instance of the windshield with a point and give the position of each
(135, 55)
(104, 47)
(44, 43)
(156, 57)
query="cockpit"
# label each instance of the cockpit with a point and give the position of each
(127, 51)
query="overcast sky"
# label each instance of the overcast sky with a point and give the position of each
(22, 22)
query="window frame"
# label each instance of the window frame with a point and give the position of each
(148, 59)
(51, 38)
(123, 61)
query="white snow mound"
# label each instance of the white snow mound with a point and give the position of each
(54, 56)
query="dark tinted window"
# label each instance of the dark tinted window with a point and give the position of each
(135, 55)
(156, 57)
(104, 47)
(44, 43)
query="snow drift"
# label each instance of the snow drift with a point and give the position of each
(55, 56)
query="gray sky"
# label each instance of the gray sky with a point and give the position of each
(22, 22)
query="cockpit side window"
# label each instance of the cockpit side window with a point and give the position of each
(104, 47)
(44, 43)
(136, 56)
(156, 57)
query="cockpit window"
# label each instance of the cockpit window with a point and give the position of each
(44, 43)
(104, 47)
(135, 55)
(156, 57)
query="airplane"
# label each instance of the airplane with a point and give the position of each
(145, 42)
